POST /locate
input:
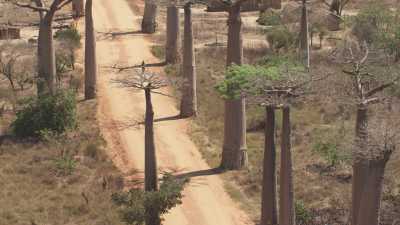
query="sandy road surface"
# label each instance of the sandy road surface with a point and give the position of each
(205, 201)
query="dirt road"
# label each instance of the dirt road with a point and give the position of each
(205, 201)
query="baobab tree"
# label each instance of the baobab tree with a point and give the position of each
(149, 23)
(304, 40)
(46, 52)
(364, 89)
(172, 43)
(78, 8)
(90, 53)
(234, 153)
(275, 86)
(279, 94)
(189, 90)
(148, 82)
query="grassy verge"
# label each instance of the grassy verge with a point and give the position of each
(39, 187)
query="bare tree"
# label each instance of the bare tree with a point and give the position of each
(189, 90)
(383, 139)
(149, 23)
(172, 45)
(365, 89)
(148, 82)
(46, 53)
(90, 53)
(16, 65)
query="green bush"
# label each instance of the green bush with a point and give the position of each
(70, 35)
(239, 78)
(329, 148)
(55, 113)
(269, 18)
(135, 203)
(303, 215)
(374, 23)
(65, 165)
(281, 37)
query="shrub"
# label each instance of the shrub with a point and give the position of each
(158, 51)
(70, 35)
(65, 165)
(55, 113)
(269, 18)
(303, 215)
(281, 37)
(135, 203)
(373, 23)
(330, 148)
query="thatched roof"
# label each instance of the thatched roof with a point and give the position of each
(249, 5)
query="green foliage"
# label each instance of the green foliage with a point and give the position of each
(64, 61)
(330, 148)
(280, 37)
(135, 203)
(303, 215)
(270, 18)
(55, 113)
(376, 24)
(238, 78)
(158, 51)
(70, 35)
(65, 165)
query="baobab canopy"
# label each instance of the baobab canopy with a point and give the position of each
(247, 5)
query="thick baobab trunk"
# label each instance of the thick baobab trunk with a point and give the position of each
(234, 155)
(286, 206)
(189, 96)
(370, 203)
(46, 57)
(150, 170)
(78, 8)
(360, 165)
(268, 204)
(149, 22)
(90, 53)
(304, 36)
(171, 48)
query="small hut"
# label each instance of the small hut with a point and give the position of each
(249, 5)
(8, 32)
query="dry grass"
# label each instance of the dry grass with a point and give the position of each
(34, 192)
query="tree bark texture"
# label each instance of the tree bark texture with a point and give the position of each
(149, 23)
(189, 89)
(360, 166)
(172, 45)
(286, 210)
(90, 53)
(304, 36)
(78, 8)
(268, 204)
(46, 57)
(234, 155)
(370, 203)
(150, 170)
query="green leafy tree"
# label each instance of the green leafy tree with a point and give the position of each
(136, 202)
